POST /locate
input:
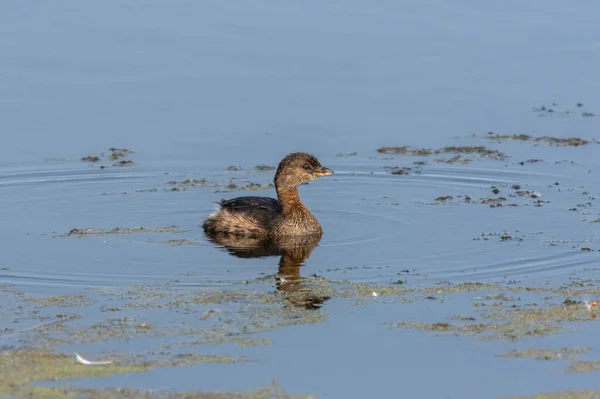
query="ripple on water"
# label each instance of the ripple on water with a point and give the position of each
(405, 231)
(377, 226)
(48, 202)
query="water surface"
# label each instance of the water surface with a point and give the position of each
(196, 87)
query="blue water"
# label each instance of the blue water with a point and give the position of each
(194, 87)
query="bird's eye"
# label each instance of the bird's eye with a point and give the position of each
(307, 167)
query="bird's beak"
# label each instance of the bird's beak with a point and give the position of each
(322, 171)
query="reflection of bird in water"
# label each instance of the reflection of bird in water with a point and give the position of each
(293, 251)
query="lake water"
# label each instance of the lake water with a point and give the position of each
(209, 90)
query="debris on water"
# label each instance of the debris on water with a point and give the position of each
(405, 150)
(181, 242)
(401, 171)
(116, 153)
(264, 168)
(79, 233)
(257, 186)
(58, 159)
(526, 193)
(509, 322)
(548, 111)
(124, 162)
(113, 155)
(208, 314)
(189, 182)
(522, 163)
(121, 150)
(462, 318)
(482, 151)
(492, 202)
(234, 168)
(455, 159)
(543, 108)
(348, 154)
(555, 141)
(546, 354)
(504, 236)
(86, 362)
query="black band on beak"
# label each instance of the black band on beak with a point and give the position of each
(322, 171)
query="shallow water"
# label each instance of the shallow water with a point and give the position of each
(194, 88)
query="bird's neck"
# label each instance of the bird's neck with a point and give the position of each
(289, 200)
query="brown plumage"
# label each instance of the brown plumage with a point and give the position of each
(268, 217)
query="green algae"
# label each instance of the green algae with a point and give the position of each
(560, 395)
(360, 291)
(257, 187)
(455, 159)
(24, 366)
(114, 154)
(250, 311)
(531, 160)
(517, 197)
(482, 151)
(246, 313)
(20, 369)
(264, 168)
(80, 233)
(584, 367)
(124, 162)
(404, 150)
(235, 315)
(182, 185)
(189, 182)
(555, 141)
(348, 154)
(487, 331)
(117, 153)
(401, 171)
(546, 354)
(505, 318)
(61, 301)
(271, 392)
(448, 288)
(251, 342)
(181, 242)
